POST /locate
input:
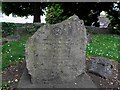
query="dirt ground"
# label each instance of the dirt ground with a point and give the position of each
(13, 73)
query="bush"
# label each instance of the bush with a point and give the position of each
(114, 29)
(55, 14)
(8, 28)
(114, 26)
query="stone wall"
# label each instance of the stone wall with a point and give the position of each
(19, 28)
(97, 30)
(30, 28)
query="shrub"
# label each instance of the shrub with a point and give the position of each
(114, 26)
(8, 28)
(55, 14)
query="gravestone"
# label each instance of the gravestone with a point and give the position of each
(57, 51)
(55, 56)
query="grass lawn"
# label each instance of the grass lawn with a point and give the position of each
(102, 45)
(4, 84)
(13, 52)
(106, 46)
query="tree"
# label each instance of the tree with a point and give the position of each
(114, 16)
(88, 11)
(24, 9)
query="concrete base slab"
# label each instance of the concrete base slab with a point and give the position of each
(82, 81)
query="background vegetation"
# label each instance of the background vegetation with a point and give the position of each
(59, 11)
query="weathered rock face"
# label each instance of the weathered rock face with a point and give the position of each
(57, 52)
(102, 66)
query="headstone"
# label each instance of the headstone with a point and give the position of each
(55, 57)
(57, 52)
(103, 20)
(102, 66)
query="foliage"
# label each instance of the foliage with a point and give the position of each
(114, 16)
(114, 27)
(24, 9)
(106, 46)
(8, 28)
(87, 11)
(4, 85)
(54, 14)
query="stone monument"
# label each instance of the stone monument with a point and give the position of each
(55, 56)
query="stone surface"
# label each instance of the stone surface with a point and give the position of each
(56, 53)
(82, 81)
(102, 66)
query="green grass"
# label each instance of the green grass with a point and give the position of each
(102, 45)
(106, 46)
(4, 85)
(13, 52)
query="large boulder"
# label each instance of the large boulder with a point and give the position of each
(55, 57)
(57, 52)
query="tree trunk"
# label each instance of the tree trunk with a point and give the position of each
(37, 12)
